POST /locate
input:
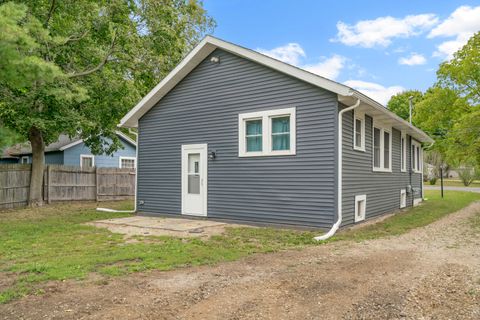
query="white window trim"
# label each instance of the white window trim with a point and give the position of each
(266, 117)
(403, 193)
(359, 116)
(358, 198)
(127, 158)
(383, 129)
(420, 155)
(24, 157)
(403, 153)
(82, 156)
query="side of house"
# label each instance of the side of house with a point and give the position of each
(377, 168)
(295, 186)
(234, 134)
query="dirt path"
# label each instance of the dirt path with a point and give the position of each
(429, 273)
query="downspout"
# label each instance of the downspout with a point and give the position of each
(136, 182)
(337, 224)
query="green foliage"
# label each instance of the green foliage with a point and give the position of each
(464, 139)
(437, 113)
(399, 103)
(78, 66)
(467, 175)
(462, 73)
(8, 138)
(432, 180)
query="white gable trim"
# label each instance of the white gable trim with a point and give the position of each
(120, 134)
(209, 44)
(71, 144)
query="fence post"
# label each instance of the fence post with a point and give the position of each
(96, 184)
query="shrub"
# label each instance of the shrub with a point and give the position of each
(467, 175)
(433, 181)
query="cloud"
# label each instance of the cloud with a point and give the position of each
(461, 24)
(293, 53)
(329, 68)
(290, 53)
(381, 31)
(374, 90)
(413, 60)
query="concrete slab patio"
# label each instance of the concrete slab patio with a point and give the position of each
(163, 226)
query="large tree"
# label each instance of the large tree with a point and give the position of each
(400, 103)
(462, 75)
(76, 67)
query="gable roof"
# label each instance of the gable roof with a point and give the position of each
(346, 95)
(64, 142)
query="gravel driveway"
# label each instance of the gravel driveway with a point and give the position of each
(429, 273)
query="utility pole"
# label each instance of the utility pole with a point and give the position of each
(410, 105)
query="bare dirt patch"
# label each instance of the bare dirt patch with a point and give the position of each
(163, 226)
(428, 273)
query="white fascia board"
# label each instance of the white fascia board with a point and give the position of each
(72, 144)
(126, 138)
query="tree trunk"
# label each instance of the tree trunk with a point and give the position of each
(35, 136)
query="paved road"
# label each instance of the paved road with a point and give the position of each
(470, 189)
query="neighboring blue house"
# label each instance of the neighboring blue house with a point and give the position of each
(74, 152)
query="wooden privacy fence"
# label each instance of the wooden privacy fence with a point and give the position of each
(66, 183)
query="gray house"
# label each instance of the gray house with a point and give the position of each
(234, 134)
(74, 152)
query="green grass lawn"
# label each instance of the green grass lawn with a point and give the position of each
(52, 243)
(454, 183)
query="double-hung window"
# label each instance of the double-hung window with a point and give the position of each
(417, 157)
(359, 131)
(382, 149)
(267, 133)
(127, 162)
(403, 153)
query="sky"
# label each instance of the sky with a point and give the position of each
(377, 47)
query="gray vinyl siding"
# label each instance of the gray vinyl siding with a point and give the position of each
(382, 188)
(204, 108)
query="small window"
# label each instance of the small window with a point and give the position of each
(403, 198)
(416, 157)
(128, 162)
(386, 150)
(87, 161)
(24, 160)
(382, 149)
(376, 148)
(267, 133)
(360, 207)
(254, 135)
(281, 133)
(359, 131)
(403, 153)
(193, 173)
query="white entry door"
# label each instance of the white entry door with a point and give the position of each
(194, 179)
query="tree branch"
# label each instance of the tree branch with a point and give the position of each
(73, 38)
(100, 65)
(50, 12)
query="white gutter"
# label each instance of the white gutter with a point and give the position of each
(339, 174)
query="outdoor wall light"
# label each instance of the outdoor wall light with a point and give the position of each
(212, 155)
(215, 60)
